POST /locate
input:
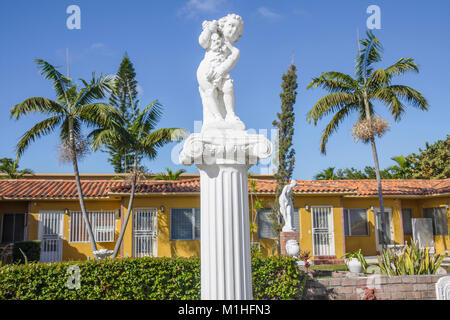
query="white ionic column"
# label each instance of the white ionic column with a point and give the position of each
(223, 162)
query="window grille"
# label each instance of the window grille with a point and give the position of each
(102, 223)
(185, 224)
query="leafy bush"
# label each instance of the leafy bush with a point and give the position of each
(31, 249)
(138, 278)
(412, 260)
(276, 278)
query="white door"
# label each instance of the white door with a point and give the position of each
(144, 232)
(389, 227)
(51, 235)
(322, 231)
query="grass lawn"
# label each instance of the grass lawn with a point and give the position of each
(329, 267)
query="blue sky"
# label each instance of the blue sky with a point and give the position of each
(161, 38)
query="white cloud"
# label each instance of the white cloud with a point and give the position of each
(97, 45)
(194, 7)
(140, 91)
(268, 14)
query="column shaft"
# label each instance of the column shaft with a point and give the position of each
(225, 233)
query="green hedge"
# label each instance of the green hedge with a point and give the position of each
(31, 249)
(139, 278)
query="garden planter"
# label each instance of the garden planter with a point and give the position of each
(292, 248)
(354, 265)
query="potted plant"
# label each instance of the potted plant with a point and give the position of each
(303, 260)
(355, 262)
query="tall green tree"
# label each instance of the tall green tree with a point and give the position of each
(144, 141)
(433, 162)
(11, 170)
(72, 108)
(357, 94)
(286, 152)
(124, 98)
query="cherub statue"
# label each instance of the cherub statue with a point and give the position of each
(215, 83)
(286, 205)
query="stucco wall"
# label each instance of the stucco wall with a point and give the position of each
(168, 247)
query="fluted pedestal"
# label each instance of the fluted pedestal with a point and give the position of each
(223, 159)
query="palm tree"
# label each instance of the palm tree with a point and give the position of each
(327, 174)
(72, 108)
(403, 168)
(170, 175)
(142, 140)
(11, 169)
(349, 94)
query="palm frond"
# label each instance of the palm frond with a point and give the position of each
(370, 54)
(40, 129)
(99, 115)
(36, 104)
(402, 66)
(331, 103)
(381, 77)
(60, 82)
(161, 137)
(334, 124)
(333, 81)
(393, 95)
(148, 118)
(95, 90)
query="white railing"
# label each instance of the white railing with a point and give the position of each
(103, 225)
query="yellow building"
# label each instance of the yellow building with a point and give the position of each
(333, 217)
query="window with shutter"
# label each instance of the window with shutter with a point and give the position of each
(265, 228)
(296, 219)
(355, 222)
(407, 221)
(439, 217)
(185, 224)
(13, 227)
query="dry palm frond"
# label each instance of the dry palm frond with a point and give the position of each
(140, 173)
(81, 149)
(366, 129)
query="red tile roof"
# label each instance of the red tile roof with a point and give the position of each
(48, 189)
(66, 189)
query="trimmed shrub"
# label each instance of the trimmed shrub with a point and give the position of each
(31, 249)
(138, 278)
(276, 278)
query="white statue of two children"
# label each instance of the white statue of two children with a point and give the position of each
(215, 83)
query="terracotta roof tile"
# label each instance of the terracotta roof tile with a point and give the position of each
(66, 189)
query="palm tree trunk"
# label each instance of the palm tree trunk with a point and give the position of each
(378, 176)
(130, 206)
(380, 193)
(79, 189)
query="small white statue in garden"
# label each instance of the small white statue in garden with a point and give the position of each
(215, 83)
(286, 205)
